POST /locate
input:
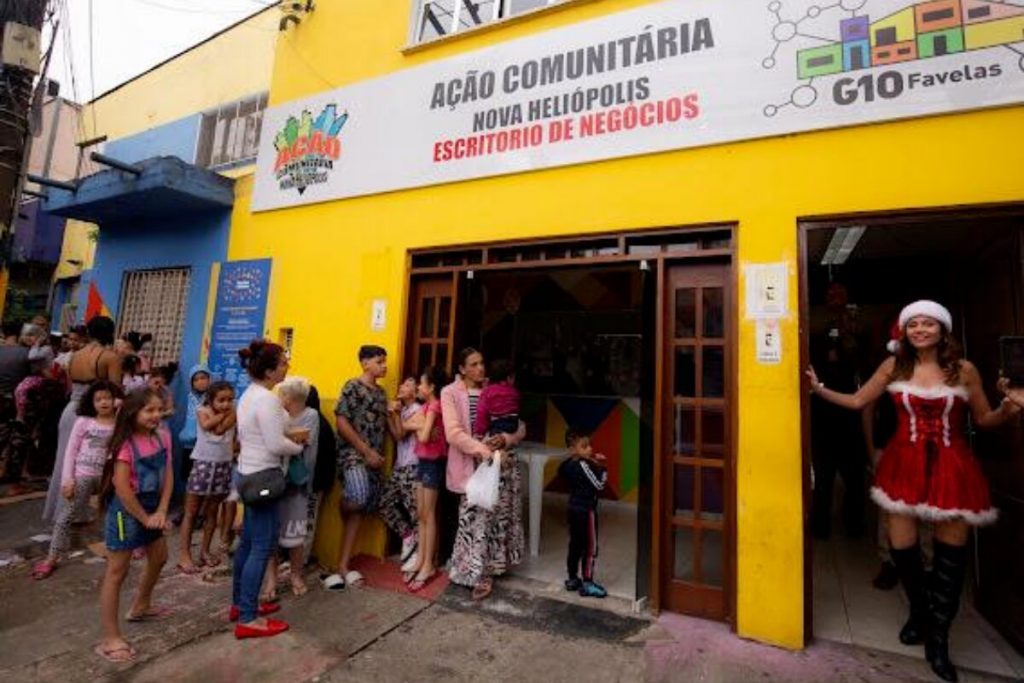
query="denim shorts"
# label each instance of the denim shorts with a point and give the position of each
(362, 487)
(123, 532)
(430, 473)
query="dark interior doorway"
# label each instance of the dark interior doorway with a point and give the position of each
(859, 273)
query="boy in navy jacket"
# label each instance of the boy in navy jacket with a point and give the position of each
(586, 477)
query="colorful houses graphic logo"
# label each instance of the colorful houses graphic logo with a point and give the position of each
(921, 31)
(307, 148)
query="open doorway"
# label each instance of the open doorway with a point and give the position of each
(575, 339)
(627, 336)
(858, 274)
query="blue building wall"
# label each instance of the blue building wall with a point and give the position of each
(37, 234)
(174, 139)
(61, 295)
(195, 241)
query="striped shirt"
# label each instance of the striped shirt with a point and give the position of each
(474, 401)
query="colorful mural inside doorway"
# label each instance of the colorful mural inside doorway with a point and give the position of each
(614, 424)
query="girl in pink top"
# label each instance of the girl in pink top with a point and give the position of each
(136, 485)
(430, 450)
(83, 466)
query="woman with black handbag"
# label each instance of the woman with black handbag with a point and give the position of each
(264, 450)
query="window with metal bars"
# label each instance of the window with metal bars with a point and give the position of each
(231, 132)
(155, 301)
(437, 18)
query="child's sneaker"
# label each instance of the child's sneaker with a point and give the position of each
(593, 590)
(573, 584)
(408, 546)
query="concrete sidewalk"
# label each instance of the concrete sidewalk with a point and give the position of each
(525, 631)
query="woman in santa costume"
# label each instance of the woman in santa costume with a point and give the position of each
(927, 470)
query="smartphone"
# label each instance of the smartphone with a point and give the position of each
(1011, 355)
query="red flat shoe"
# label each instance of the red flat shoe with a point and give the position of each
(265, 608)
(274, 627)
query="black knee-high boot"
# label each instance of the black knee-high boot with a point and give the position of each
(911, 573)
(945, 586)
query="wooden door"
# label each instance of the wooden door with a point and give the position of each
(696, 502)
(431, 323)
(993, 306)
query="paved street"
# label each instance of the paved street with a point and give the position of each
(527, 631)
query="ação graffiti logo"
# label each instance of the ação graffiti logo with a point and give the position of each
(307, 148)
(914, 33)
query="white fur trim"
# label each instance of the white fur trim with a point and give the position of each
(929, 309)
(932, 513)
(942, 391)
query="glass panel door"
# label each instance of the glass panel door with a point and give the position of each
(697, 509)
(430, 324)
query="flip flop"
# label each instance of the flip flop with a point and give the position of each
(111, 655)
(152, 614)
(188, 571)
(334, 582)
(353, 578)
(210, 561)
(483, 589)
(43, 570)
(419, 584)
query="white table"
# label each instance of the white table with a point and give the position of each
(537, 456)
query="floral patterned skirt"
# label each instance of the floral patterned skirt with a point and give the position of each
(489, 543)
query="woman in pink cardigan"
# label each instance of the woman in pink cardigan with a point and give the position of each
(488, 543)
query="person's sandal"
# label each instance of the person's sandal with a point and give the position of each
(210, 560)
(334, 583)
(116, 655)
(418, 584)
(43, 570)
(483, 589)
(154, 613)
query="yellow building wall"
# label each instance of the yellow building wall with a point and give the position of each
(229, 66)
(77, 250)
(331, 260)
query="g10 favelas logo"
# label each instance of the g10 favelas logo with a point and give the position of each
(307, 148)
(858, 45)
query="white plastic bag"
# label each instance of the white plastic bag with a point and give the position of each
(482, 487)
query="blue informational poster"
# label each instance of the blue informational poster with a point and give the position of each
(238, 317)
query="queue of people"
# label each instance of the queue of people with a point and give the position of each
(274, 452)
(266, 453)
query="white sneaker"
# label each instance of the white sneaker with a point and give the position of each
(411, 563)
(408, 546)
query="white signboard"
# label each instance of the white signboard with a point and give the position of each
(767, 291)
(378, 315)
(664, 76)
(769, 342)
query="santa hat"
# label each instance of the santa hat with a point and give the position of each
(895, 335)
(928, 309)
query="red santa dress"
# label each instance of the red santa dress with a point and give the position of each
(928, 470)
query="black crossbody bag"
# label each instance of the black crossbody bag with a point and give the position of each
(262, 487)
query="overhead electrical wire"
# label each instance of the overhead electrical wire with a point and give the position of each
(190, 10)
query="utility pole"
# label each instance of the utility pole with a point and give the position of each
(21, 23)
